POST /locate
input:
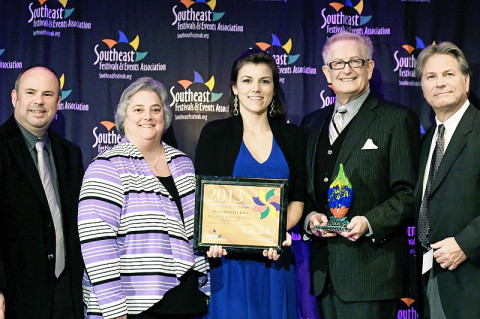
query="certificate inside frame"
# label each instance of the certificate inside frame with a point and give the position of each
(240, 214)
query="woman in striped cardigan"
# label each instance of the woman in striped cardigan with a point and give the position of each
(135, 219)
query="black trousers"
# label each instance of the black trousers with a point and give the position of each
(331, 306)
(63, 299)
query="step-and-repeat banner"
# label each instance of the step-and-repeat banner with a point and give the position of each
(99, 47)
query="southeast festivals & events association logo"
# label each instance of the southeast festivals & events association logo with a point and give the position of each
(405, 63)
(122, 57)
(69, 105)
(9, 64)
(347, 17)
(49, 17)
(195, 19)
(194, 100)
(284, 58)
(106, 136)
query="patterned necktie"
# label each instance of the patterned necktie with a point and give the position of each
(54, 209)
(336, 124)
(423, 223)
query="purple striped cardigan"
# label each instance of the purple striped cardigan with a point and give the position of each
(134, 244)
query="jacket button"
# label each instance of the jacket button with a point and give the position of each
(50, 224)
(50, 256)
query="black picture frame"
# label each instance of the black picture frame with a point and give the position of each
(201, 243)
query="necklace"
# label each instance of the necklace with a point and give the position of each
(158, 160)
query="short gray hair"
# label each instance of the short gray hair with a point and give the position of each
(364, 41)
(442, 48)
(142, 84)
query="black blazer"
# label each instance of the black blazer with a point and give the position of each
(383, 179)
(219, 145)
(27, 235)
(454, 211)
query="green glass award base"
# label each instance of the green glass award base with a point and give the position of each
(335, 224)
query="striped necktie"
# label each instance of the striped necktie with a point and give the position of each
(336, 124)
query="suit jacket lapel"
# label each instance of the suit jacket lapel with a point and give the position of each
(455, 147)
(22, 156)
(356, 132)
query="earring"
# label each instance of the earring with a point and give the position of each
(272, 109)
(235, 106)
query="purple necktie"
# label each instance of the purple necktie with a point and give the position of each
(54, 209)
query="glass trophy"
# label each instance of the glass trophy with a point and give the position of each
(340, 195)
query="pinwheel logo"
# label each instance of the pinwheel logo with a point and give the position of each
(49, 13)
(409, 61)
(73, 105)
(410, 48)
(344, 16)
(194, 92)
(65, 93)
(213, 234)
(267, 203)
(405, 63)
(114, 55)
(191, 15)
(280, 59)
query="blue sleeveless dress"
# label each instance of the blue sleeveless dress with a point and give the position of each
(249, 286)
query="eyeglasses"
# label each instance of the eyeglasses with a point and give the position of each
(354, 63)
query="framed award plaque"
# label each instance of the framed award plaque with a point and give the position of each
(240, 214)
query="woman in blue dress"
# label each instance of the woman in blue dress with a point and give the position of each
(254, 142)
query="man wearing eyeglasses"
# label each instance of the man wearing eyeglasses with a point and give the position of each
(359, 273)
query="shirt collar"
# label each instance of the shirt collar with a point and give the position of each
(452, 122)
(31, 139)
(352, 106)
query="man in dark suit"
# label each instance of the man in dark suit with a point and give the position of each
(448, 189)
(40, 177)
(360, 273)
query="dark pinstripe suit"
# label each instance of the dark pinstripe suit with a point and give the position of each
(383, 182)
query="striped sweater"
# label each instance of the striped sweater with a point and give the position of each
(134, 243)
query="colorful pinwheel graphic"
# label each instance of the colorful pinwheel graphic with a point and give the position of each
(65, 93)
(214, 233)
(122, 38)
(276, 42)
(212, 4)
(410, 48)
(267, 202)
(209, 84)
(359, 8)
(68, 12)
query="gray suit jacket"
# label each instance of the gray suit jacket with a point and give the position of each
(383, 179)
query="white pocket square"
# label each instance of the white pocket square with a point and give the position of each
(369, 145)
